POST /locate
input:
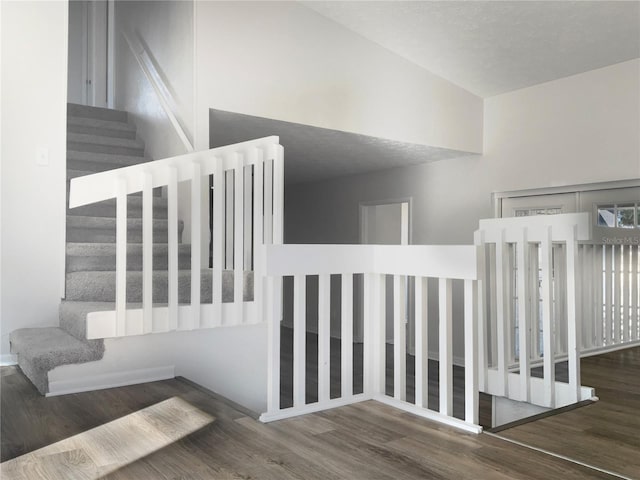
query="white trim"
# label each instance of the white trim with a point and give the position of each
(8, 359)
(428, 414)
(312, 407)
(498, 197)
(111, 45)
(110, 380)
(157, 81)
(389, 201)
(584, 187)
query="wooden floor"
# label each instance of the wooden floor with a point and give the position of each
(173, 430)
(311, 376)
(605, 434)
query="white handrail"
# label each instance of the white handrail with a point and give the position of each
(100, 186)
(150, 71)
(260, 164)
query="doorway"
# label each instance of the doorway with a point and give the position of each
(386, 222)
(90, 53)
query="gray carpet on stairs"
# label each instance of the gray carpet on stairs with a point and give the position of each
(100, 139)
(40, 350)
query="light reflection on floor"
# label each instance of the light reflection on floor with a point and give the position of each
(104, 449)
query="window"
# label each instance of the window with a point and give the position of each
(526, 212)
(619, 216)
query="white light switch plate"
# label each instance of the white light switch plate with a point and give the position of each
(42, 157)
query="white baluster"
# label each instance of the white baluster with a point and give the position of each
(421, 342)
(218, 241)
(147, 252)
(258, 219)
(324, 337)
(502, 276)
(347, 335)
(379, 320)
(523, 316)
(635, 320)
(470, 353)
(238, 239)
(196, 194)
(445, 355)
(268, 195)
(548, 336)
(278, 195)
(299, 340)
(368, 335)
(399, 339)
(574, 321)
(121, 256)
(272, 311)
(172, 218)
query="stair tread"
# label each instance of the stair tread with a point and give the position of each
(204, 272)
(77, 110)
(109, 249)
(49, 347)
(104, 140)
(132, 200)
(92, 285)
(73, 121)
(100, 148)
(81, 221)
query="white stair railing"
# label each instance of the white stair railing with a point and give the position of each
(257, 164)
(610, 306)
(409, 267)
(530, 288)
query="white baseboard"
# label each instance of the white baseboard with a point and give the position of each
(7, 359)
(110, 380)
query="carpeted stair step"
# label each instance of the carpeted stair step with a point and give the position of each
(103, 128)
(83, 257)
(100, 162)
(82, 146)
(107, 208)
(99, 113)
(103, 230)
(73, 316)
(101, 286)
(97, 139)
(40, 350)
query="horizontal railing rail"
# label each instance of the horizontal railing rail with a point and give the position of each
(408, 269)
(248, 196)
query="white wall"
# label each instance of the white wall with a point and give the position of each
(167, 30)
(34, 91)
(579, 129)
(214, 358)
(282, 60)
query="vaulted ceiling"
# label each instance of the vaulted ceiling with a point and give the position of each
(492, 47)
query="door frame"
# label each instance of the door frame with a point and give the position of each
(405, 223)
(497, 197)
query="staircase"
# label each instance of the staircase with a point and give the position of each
(98, 139)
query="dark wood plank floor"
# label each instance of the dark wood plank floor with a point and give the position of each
(127, 433)
(605, 434)
(311, 376)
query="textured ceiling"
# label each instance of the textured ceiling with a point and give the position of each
(495, 47)
(313, 153)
